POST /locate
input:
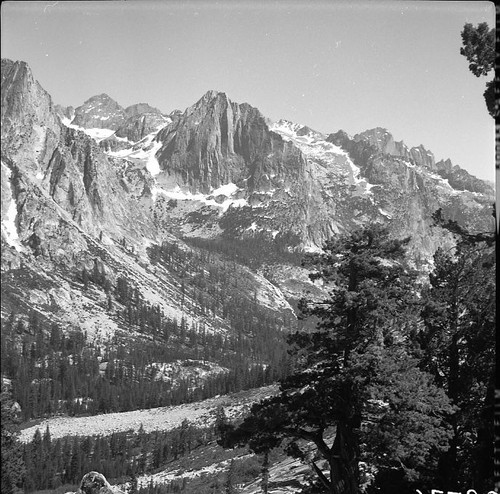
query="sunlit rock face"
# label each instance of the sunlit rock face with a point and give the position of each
(216, 142)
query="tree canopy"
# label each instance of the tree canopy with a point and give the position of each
(479, 49)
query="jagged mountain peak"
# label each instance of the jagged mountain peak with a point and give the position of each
(383, 140)
(7, 63)
(217, 141)
(210, 99)
(99, 112)
(15, 72)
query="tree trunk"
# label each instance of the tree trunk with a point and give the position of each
(344, 468)
(265, 472)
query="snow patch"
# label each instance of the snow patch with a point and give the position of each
(96, 134)
(152, 164)
(226, 190)
(326, 154)
(384, 213)
(9, 228)
(178, 194)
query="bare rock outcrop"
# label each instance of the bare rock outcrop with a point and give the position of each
(96, 483)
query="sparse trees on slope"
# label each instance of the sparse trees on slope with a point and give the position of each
(357, 393)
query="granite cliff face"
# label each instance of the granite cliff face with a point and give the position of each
(216, 142)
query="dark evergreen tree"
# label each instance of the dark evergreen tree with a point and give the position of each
(344, 377)
(13, 466)
(479, 49)
(460, 323)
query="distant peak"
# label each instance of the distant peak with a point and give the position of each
(376, 131)
(99, 97)
(140, 108)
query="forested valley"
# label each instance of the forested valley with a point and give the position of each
(395, 384)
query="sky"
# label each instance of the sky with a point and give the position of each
(330, 65)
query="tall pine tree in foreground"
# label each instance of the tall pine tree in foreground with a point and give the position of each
(357, 394)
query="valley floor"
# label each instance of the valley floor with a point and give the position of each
(156, 419)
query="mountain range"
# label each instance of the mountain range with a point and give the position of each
(114, 218)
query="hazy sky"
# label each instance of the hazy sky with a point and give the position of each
(329, 65)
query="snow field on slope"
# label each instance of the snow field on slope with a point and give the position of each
(178, 194)
(200, 414)
(9, 229)
(96, 134)
(318, 150)
(152, 164)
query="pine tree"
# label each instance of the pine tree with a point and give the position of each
(460, 324)
(479, 49)
(338, 385)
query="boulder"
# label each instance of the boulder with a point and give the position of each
(96, 483)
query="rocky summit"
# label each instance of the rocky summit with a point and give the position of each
(100, 112)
